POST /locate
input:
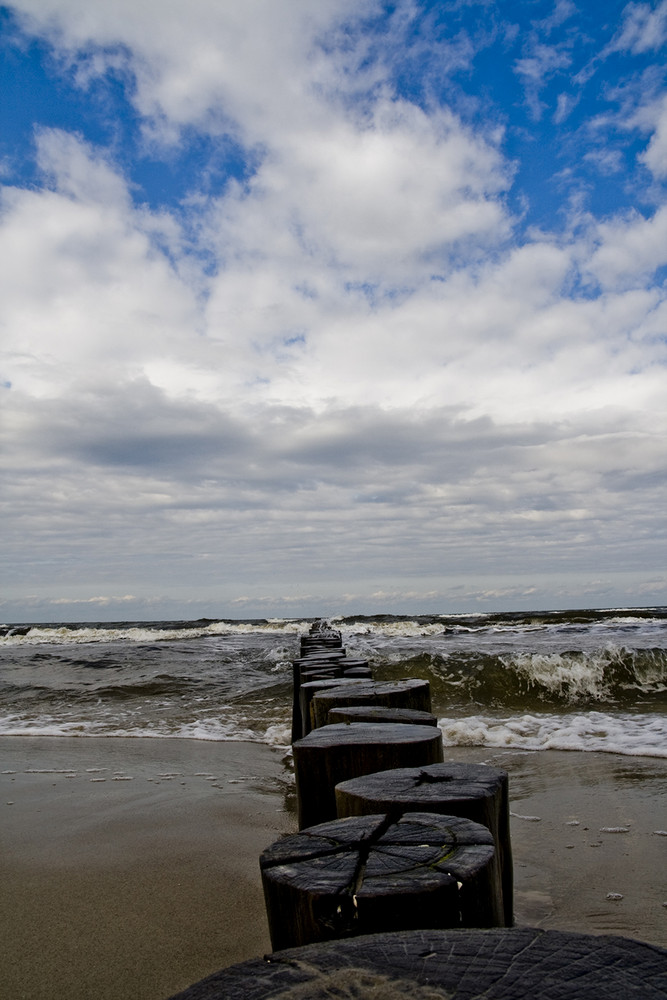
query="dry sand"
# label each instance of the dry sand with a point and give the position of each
(129, 868)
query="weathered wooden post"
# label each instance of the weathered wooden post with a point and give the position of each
(378, 713)
(366, 875)
(364, 673)
(408, 693)
(309, 689)
(312, 668)
(321, 654)
(477, 792)
(332, 754)
(321, 637)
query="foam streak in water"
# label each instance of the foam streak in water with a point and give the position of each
(623, 733)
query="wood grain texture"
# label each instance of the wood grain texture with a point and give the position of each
(368, 874)
(462, 964)
(476, 791)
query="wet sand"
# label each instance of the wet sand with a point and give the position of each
(129, 868)
(136, 879)
(586, 828)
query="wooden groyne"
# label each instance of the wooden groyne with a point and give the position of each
(423, 844)
(405, 889)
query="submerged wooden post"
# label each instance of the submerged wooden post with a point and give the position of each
(332, 754)
(477, 792)
(370, 874)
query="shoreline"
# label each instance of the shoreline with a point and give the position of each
(130, 867)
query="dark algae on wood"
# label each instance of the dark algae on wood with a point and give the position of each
(465, 964)
(369, 874)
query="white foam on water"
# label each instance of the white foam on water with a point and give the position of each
(574, 676)
(278, 736)
(67, 771)
(62, 635)
(204, 729)
(628, 734)
(388, 630)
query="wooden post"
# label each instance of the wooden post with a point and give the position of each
(308, 691)
(333, 754)
(369, 874)
(325, 661)
(377, 713)
(365, 673)
(475, 791)
(321, 654)
(321, 641)
(409, 693)
(321, 673)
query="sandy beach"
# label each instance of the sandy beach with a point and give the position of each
(130, 867)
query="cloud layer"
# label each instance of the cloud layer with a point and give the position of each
(351, 369)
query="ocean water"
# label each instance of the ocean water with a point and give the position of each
(560, 680)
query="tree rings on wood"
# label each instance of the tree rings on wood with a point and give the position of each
(519, 964)
(476, 791)
(369, 874)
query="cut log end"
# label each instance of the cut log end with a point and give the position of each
(521, 964)
(371, 874)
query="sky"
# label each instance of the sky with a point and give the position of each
(335, 307)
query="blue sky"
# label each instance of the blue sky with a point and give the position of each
(347, 306)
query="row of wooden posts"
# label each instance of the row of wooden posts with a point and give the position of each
(390, 836)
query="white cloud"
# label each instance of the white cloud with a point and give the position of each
(630, 249)
(644, 28)
(84, 287)
(541, 62)
(252, 67)
(655, 155)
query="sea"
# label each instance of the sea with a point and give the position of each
(587, 680)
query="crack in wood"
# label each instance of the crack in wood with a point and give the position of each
(424, 778)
